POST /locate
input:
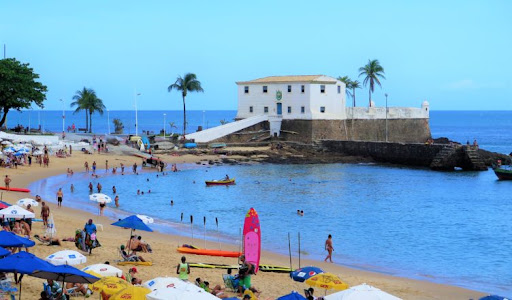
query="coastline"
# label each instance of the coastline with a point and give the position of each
(271, 284)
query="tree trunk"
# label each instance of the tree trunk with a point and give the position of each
(370, 96)
(184, 118)
(354, 96)
(90, 122)
(2, 121)
(86, 121)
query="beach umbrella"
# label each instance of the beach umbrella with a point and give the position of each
(4, 204)
(17, 212)
(94, 274)
(4, 252)
(132, 222)
(187, 292)
(6, 143)
(327, 281)
(37, 153)
(66, 257)
(493, 297)
(27, 201)
(146, 219)
(292, 296)
(65, 273)
(131, 292)
(104, 270)
(361, 292)
(100, 198)
(10, 239)
(109, 285)
(166, 282)
(305, 273)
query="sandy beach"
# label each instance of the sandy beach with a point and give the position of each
(165, 257)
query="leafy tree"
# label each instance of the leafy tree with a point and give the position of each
(188, 83)
(372, 71)
(118, 126)
(18, 87)
(81, 99)
(346, 80)
(223, 122)
(172, 125)
(94, 104)
(354, 85)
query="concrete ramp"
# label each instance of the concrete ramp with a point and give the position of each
(214, 133)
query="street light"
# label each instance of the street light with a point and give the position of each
(164, 124)
(63, 116)
(203, 119)
(386, 94)
(136, 117)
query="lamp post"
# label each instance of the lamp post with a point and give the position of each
(203, 119)
(386, 94)
(136, 117)
(164, 124)
(108, 120)
(63, 116)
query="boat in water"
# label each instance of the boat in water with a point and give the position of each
(230, 181)
(503, 173)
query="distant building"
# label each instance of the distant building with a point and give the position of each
(308, 97)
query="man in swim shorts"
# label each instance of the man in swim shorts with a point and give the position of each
(7, 182)
(245, 275)
(60, 195)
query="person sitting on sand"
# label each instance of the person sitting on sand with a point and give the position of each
(245, 274)
(135, 245)
(130, 277)
(132, 256)
(79, 287)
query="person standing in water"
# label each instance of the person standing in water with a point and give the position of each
(60, 195)
(94, 167)
(329, 248)
(98, 187)
(116, 200)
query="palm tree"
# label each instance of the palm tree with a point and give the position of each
(172, 125)
(347, 81)
(81, 97)
(94, 104)
(373, 70)
(189, 83)
(354, 85)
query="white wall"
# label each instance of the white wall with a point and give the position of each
(312, 99)
(370, 113)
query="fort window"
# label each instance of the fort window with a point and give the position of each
(339, 89)
(302, 109)
(246, 89)
(289, 109)
(322, 109)
(289, 89)
(250, 109)
(322, 89)
(302, 88)
(265, 89)
(265, 109)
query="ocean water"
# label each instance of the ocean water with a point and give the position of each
(449, 227)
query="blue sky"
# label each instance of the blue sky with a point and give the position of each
(455, 54)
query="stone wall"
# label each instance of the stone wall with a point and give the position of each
(253, 133)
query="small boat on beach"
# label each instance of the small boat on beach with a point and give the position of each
(230, 181)
(217, 145)
(209, 252)
(503, 173)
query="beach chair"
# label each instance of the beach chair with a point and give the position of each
(7, 290)
(126, 258)
(228, 282)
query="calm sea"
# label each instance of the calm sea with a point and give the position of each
(450, 227)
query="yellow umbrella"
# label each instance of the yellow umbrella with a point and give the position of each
(131, 292)
(110, 285)
(94, 273)
(327, 281)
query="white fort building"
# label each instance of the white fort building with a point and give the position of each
(312, 107)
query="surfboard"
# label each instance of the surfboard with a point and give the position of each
(16, 189)
(252, 239)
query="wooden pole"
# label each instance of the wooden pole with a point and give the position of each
(192, 226)
(204, 235)
(181, 224)
(299, 250)
(218, 234)
(290, 250)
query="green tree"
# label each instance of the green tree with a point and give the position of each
(353, 86)
(346, 80)
(188, 83)
(18, 87)
(81, 98)
(372, 71)
(172, 125)
(118, 126)
(94, 104)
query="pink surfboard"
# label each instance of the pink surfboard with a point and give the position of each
(252, 239)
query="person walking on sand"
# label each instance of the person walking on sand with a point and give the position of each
(183, 269)
(329, 248)
(7, 182)
(106, 166)
(45, 213)
(60, 195)
(86, 166)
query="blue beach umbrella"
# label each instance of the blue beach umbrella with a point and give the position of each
(305, 273)
(493, 297)
(65, 273)
(4, 204)
(4, 252)
(9, 239)
(292, 296)
(132, 222)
